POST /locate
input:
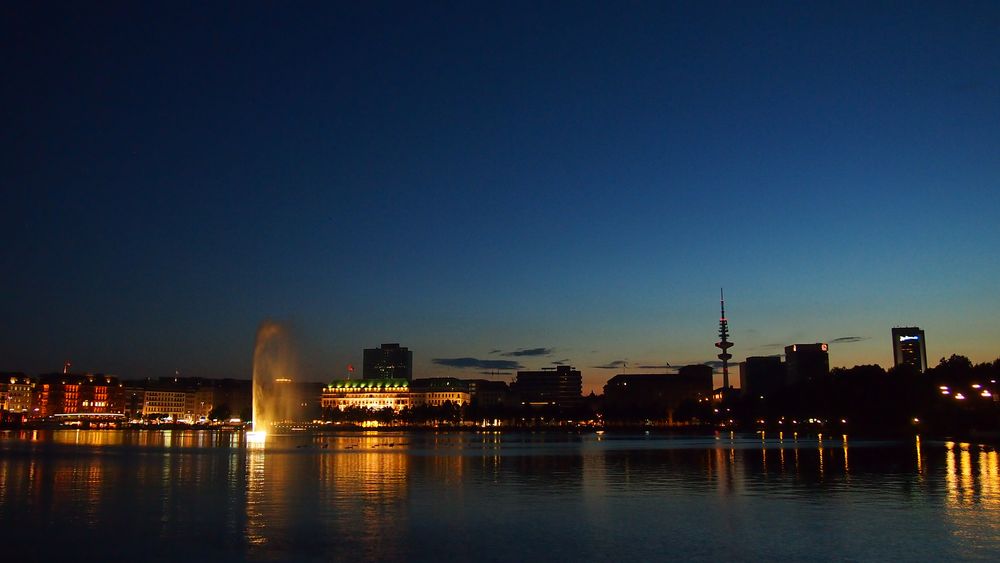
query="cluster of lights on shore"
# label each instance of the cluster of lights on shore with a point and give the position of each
(976, 388)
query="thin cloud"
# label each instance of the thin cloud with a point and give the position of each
(561, 362)
(465, 363)
(849, 339)
(612, 365)
(529, 352)
(494, 352)
(650, 366)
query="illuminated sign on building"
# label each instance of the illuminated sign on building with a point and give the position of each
(909, 347)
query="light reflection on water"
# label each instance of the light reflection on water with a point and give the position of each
(377, 496)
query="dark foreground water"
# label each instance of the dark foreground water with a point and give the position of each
(204, 496)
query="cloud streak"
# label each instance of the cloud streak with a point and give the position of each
(466, 362)
(611, 365)
(849, 339)
(529, 352)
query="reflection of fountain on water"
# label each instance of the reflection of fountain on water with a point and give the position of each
(273, 366)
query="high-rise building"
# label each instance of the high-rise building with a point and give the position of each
(390, 361)
(909, 347)
(559, 389)
(806, 361)
(761, 375)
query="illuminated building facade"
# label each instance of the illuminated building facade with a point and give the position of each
(389, 361)
(168, 400)
(909, 348)
(804, 362)
(66, 393)
(367, 393)
(436, 391)
(558, 389)
(15, 392)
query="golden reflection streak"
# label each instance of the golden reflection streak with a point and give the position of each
(951, 475)
(965, 462)
(847, 467)
(256, 523)
(820, 449)
(920, 461)
(989, 478)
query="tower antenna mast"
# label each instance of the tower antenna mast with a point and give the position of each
(724, 344)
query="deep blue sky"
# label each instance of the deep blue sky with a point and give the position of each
(469, 178)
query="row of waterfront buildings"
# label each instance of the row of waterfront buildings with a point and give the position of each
(387, 382)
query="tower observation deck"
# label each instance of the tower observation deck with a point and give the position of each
(724, 344)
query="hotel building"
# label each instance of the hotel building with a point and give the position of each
(909, 347)
(374, 394)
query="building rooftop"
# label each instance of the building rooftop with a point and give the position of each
(397, 383)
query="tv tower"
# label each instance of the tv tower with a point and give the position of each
(724, 344)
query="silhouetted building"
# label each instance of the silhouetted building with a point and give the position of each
(761, 375)
(134, 397)
(234, 395)
(804, 362)
(656, 396)
(390, 361)
(559, 389)
(909, 347)
(487, 393)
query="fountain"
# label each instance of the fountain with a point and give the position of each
(273, 367)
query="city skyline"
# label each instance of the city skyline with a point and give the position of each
(487, 184)
(520, 360)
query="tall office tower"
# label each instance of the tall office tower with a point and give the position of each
(761, 375)
(806, 361)
(724, 344)
(389, 361)
(909, 347)
(560, 388)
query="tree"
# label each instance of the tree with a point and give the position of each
(220, 412)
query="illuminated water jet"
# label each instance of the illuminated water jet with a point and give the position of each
(273, 370)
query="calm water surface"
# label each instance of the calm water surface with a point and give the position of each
(206, 496)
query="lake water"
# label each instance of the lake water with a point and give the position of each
(206, 496)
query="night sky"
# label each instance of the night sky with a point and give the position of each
(495, 184)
